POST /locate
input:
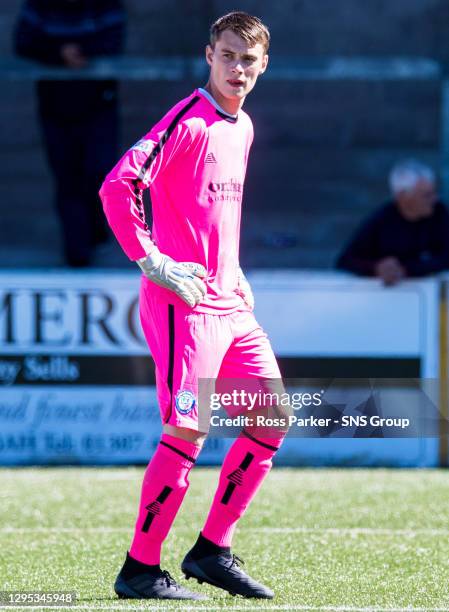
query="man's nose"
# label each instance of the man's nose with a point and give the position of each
(237, 67)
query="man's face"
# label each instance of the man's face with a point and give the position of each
(418, 203)
(234, 67)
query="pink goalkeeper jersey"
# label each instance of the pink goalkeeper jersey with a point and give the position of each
(194, 162)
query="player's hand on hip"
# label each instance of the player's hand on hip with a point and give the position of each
(183, 278)
(244, 289)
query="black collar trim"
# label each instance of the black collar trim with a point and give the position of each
(226, 117)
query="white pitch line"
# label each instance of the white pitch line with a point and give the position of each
(350, 530)
(315, 530)
(237, 608)
(65, 529)
(39, 478)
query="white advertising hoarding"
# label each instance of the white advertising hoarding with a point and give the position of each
(77, 382)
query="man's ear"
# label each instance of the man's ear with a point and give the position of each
(209, 54)
(264, 64)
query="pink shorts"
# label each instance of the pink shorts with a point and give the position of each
(187, 346)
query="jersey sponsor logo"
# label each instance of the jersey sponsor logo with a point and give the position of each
(143, 145)
(210, 159)
(232, 185)
(225, 191)
(185, 402)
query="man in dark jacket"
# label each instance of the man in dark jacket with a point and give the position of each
(408, 236)
(79, 117)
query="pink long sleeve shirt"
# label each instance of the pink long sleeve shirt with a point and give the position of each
(194, 163)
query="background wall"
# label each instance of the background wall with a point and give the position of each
(323, 146)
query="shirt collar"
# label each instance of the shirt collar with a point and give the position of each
(220, 110)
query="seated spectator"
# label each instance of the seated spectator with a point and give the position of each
(408, 236)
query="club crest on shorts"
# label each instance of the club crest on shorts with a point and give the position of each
(185, 402)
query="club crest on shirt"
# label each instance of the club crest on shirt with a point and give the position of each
(185, 402)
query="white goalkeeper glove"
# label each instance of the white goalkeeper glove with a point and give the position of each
(183, 278)
(244, 289)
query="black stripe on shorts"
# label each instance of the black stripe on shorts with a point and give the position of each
(171, 355)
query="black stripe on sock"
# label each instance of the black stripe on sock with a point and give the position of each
(164, 494)
(176, 450)
(246, 461)
(147, 523)
(244, 465)
(228, 492)
(152, 512)
(248, 435)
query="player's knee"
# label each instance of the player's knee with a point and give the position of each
(263, 446)
(190, 435)
(267, 432)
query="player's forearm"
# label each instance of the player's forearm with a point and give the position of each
(126, 217)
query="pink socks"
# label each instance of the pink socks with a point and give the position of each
(247, 463)
(164, 486)
(166, 482)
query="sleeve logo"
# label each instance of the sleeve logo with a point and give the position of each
(142, 145)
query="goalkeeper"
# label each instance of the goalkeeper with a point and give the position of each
(196, 307)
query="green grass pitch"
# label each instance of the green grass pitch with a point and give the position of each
(325, 539)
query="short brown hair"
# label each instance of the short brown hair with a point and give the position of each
(248, 27)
